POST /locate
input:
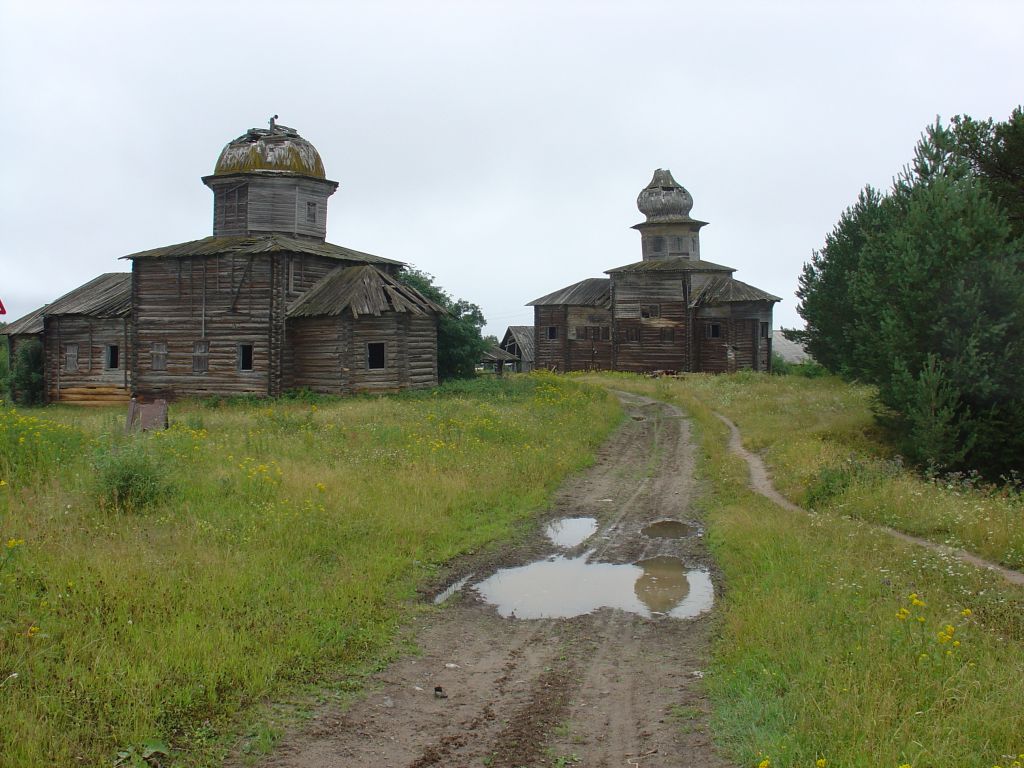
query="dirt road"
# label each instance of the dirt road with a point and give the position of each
(618, 686)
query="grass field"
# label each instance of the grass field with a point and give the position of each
(156, 588)
(838, 643)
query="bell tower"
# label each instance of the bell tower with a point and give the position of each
(668, 232)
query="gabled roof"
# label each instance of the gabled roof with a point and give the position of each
(109, 295)
(592, 292)
(497, 355)
(677, 264)
(245, 245)
(522, 335)
(724, 290)
(360, 290)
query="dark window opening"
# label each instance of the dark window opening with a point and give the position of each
(159, 355)
(311, 213)
(650, 310)
(552, 331)
(630, 334)
(112, 356)
(70, 357)
(291, 275)
(606, 333)
(200, 357)
(713, 330)
(245, 357)
(581, 332)
(375, 355)
(658, 244)
(764, 330)
(668, 334)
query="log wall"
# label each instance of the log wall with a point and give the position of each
(92, 381)
(551, 354)
(651, 343)
(588, 334)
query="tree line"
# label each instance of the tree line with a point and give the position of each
(920, 291)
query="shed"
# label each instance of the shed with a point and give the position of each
(519, 342)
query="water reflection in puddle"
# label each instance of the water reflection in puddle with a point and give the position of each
(668, 529)
(571, 531)
(451, 589)
(563, 587)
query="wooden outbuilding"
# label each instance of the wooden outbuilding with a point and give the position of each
(670, 311)
(85, 336)
(518, 341)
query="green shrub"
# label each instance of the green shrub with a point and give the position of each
(129, 479)
(26, 378)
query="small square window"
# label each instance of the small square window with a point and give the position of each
(606, 333)
(112, 357)
(658, 244)
(552, 331)
(668, 334)
(650, 310)
(581, 332)
(245, 357)
(631, 334)
(158, 351)
(70, 357)
(200, 357)
(713, 330)
(375, 355)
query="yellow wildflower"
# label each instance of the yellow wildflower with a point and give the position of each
(966, 612)
(821, 762)
(32, 631)
(3, 483)
(14, 543)
(321, 487)
(764, 763)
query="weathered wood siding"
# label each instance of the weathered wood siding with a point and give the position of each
(740, 346)
(91, 380)
(224, 300)
(551, 354)
(651, 343)
(270, 205)
(588, 336)
(329, 354)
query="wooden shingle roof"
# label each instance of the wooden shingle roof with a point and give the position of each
(522, 335)
(244, 245)
(724, 290)
(360, 290)
(497, 355)
(592, 292)
(677, 264)
(109, 295)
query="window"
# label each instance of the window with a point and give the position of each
(581, 332)
(112, 356)
(650, 310)
(245, 357)
(668, 334)
(158, 353)
(311, 213)
(200, 357)
(234, 206)
(764, 330)
(291, 275)
(713, 330)
(552, 331)
(658, 244)
(70, 357)
(606, 333)
(375, 355)
(630, 334)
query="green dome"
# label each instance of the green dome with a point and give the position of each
(278, 149)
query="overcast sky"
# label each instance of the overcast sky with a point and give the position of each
(498, 146)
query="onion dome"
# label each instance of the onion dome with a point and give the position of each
(664, 199)
(277, 150)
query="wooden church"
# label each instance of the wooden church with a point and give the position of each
(263, 305)
(670, 311)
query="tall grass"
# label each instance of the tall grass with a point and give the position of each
(281, 552)
(838, 643)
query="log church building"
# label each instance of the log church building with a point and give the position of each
(670, 311)
(263, 305)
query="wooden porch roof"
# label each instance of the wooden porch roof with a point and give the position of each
(725, 290)
(109, 295)
(360, 290)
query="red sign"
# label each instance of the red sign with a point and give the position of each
(2, 310)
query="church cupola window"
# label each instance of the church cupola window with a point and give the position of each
(233, 205)
(311, 212)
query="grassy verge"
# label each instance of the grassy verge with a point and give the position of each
(838, 643)
(155, 588)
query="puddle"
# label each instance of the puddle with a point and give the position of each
(668, 529)
(571, 531)
(560, 588)
(451, 589)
